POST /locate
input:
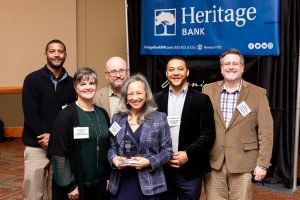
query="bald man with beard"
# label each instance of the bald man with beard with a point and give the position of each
(116, 73)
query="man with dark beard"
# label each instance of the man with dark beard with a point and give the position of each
(116, 73)
(45, 92)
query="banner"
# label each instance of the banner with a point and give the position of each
(208, 27)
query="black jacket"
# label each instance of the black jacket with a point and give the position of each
(42, 102)
(197, 130)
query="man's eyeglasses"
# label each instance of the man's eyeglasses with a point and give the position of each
(231, 63)
(113, 73)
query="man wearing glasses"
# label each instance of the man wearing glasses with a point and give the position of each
(244, 132)
(116, 73)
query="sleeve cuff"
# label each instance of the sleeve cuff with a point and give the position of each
(71, 187)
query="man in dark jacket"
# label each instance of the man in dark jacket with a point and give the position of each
(191, 120)
(45, 92)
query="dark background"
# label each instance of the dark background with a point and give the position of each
(277, 74)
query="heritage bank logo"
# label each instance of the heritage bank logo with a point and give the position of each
(195, 20)
(165, 22)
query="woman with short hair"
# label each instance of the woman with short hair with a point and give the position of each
(79, 144)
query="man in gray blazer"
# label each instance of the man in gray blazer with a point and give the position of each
(244, 132)
(116, 73)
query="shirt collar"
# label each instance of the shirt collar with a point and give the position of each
(111, 92)
(183, 91)
(237, 90)
(62, 74)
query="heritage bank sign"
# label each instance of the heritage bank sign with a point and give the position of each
(208, 27)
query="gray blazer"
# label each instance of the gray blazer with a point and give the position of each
(155, 145)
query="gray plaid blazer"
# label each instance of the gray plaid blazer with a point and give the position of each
(155, 145)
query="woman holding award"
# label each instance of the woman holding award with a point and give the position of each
(140, 144)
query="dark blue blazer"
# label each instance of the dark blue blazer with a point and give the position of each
(197, 130)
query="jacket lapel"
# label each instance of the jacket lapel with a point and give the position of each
(145, 132)
(216, 98)
(186, 105)
(242, 97)
(164, 101)
(105, 100)
(122, 123)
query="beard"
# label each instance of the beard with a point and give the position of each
(232, 76)
(56, 65)
(117, 84)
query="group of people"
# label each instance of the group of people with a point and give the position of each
(123, 142)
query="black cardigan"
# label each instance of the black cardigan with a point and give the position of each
(66, 120)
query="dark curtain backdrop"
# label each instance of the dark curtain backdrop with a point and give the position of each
(277, 74)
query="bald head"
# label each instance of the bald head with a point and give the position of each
(116, 72)
(115, 62)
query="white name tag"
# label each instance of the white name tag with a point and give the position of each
(81, 132)
(115, 128)
(243, 109)
(174, 120)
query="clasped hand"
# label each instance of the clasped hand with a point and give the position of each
(74, 195)
(178, 159)
(140, 162)
(43, 140)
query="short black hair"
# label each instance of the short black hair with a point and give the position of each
(178, 58)
(55, 41)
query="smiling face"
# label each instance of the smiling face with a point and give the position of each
(86, 88)
(136, 96)
(231, 68)
(116, 73)
(177, 73)
(55, 55)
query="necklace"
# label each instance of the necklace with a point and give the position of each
(134, 120)
(95, 128)
(132, 123)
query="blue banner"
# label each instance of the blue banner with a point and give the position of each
(208, 27)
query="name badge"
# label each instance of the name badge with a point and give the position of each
(174, 120)
(243, 109)
(81, 133)
(115, 128)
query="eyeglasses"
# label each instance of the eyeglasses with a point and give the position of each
(231, 63)
(114, 73)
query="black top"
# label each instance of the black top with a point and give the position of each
(42, 101)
